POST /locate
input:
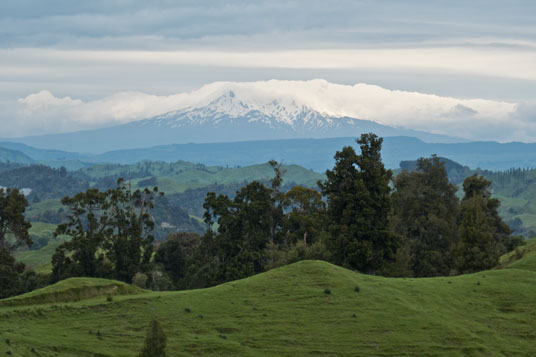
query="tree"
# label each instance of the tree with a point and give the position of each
(171, 256)
(244, 228)
(476, 249)
(483, 234)
(9, 274)
(128, 236)
(425, 210)
(306, 218)
(110, 233)
(358, 196)
(86, 227)
(501, 233)
(12, 221)
(155, 341)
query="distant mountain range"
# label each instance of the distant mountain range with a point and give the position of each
(315, 154)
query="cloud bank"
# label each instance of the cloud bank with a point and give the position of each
(475, 119)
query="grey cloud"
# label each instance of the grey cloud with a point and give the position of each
(78, 24)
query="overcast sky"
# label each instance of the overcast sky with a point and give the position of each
(92, 50)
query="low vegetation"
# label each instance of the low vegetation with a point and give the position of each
(287, 312)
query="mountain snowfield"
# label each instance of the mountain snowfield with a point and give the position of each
(294, 105)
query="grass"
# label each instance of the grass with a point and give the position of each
(40, 259)
(287, 312)
(179, 176)
(73, 289)
(522, 258)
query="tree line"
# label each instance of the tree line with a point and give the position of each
(360, 218)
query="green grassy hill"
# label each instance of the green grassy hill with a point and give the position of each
(73, 289)
(286, 311)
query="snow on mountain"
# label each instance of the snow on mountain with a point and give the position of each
(283, 101)
(267, 110)
(319, 104)
(287, 100)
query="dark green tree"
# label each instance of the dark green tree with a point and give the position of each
(244, 228)
(9, 274)
(476, 248)
(425, 209)
(305, 219)
(483, 234)
(12, 220)
(110, 233)
(358, 196)
(87, 223)
(170, 254)
(155, 341)
(128, 239)
(502, 234)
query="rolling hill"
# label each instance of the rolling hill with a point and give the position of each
(287, 311)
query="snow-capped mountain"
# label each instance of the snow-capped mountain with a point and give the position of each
(229, 111)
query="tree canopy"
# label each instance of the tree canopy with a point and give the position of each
(358, 197)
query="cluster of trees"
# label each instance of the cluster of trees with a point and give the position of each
(360, 218)
(45, 182)
(110, 233)
(441, 235)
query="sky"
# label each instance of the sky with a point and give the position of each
(101, 55)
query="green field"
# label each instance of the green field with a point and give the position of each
(40, 259)
(286, 311)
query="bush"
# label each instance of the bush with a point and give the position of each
(356, 288)
(160, 281)
(155, 341)
(277, 256)
(327, 291)
(109, 298)
(140, 280)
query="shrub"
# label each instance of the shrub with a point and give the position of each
(160, 281)
(140, 280)
(327, 291)
(109, 298)
(155, 341)
(187, 310)
(356, 288)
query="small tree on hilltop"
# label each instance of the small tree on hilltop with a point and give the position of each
(155, 341)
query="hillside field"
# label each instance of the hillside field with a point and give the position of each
(287, 311)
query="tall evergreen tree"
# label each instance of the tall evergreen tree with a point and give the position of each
(358, 196)
(424, 215)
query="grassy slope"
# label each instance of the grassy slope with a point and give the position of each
(39, 260)
(522, 258)
(73, 289)
(286, 312)
(195, 178)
